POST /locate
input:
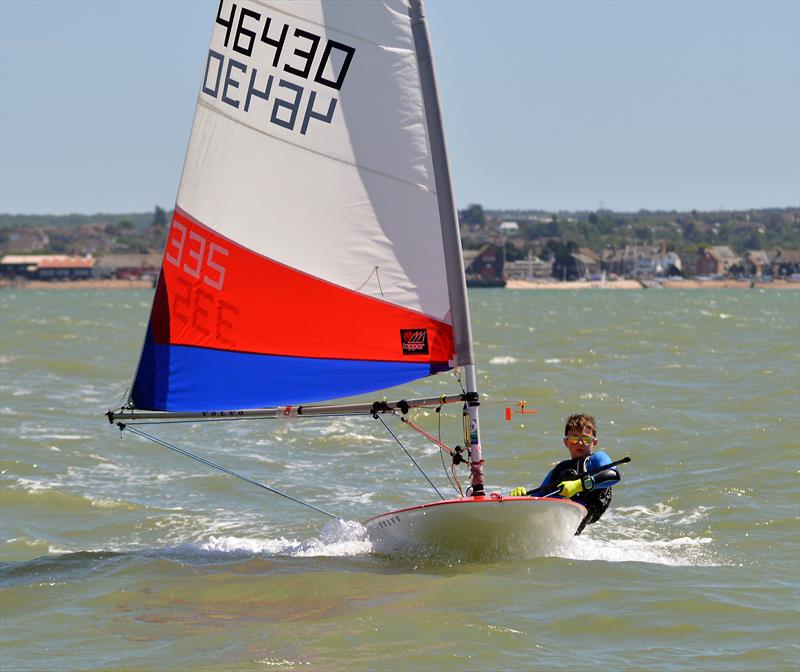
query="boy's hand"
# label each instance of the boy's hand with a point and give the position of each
(570, 488)
(519, 492)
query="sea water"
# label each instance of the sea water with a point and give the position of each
(119, 554)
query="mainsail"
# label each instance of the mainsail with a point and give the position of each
(314, 251)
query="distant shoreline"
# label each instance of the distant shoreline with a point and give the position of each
(512, 284)
(76, 284)
(666, 284)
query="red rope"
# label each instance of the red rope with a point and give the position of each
(430, 438)
(441, 445)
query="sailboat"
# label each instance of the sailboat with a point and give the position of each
(314, 255)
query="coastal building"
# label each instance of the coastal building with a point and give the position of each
(587, 263)
(689, 264)
(786, 263)
(531, 268)
(668, 264)
(757, 263)
(718, 260)
(613, 260)
(509, 228)
(46, 267)
(25, 239)
(635, 261)
(484, 267)
(128, 266)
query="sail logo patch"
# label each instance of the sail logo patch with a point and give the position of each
(414, 341)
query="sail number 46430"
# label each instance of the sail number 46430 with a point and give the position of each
(288, 74)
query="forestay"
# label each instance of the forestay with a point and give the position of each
(314, 250)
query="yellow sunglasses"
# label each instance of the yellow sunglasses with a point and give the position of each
(586, 440)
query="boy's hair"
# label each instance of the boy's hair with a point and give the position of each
(579, 421)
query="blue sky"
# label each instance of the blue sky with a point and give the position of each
(547, 105)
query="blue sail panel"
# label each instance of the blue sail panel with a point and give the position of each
(184, 378)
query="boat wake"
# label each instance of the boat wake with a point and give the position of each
(337, 539)
(655, 535)
(658, 535)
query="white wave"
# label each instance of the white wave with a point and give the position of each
(104, 503)
(7, 411)
(678, 552)
(108, 466)
(280, 662)
(28, 541)
(260, 457)
(337, 539)
(700, 513)
(502, 360)
(366, 438)
(600, 396)
(344, 427)
(659, 512)
(658, 534)
(32, 486)
(58, 437)
(255, 546)
(553, 360)
(355, 496)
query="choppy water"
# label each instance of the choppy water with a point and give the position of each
(117, 554)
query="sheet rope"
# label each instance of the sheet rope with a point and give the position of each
(123, 426)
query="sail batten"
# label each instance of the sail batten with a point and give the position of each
(316, 160)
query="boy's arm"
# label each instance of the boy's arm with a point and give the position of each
(546, 483)
(603, 479)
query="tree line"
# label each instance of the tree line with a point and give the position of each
(543, 233)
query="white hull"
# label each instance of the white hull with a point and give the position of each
(477, 528)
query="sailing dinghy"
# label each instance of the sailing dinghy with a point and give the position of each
(314, 254)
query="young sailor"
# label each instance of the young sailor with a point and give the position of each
(580, 478)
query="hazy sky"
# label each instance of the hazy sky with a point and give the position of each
(551, 105)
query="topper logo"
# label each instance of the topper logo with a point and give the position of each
(414, 341)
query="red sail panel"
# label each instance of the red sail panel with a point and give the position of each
(223, 296)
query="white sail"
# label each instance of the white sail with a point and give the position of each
(310, 146)
(314, 252)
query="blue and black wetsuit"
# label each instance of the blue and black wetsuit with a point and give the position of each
(595, 500)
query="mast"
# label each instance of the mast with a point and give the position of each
(456, 280)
